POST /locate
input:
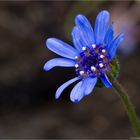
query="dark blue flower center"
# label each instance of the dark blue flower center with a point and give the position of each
(92, 62)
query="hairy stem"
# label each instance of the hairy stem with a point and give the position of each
(128, 106)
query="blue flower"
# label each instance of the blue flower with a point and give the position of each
(91, 55)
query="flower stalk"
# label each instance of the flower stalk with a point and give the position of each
(128, 106)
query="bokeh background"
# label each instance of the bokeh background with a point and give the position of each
(28, 108)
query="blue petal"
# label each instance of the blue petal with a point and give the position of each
(61, 48)
(62, 62)
(77, 92)
(100, 27)
(106, 81)
(109, 35)
(62, 87)
(114, 45)
(87, 33)
(77, 40)
(90, 84)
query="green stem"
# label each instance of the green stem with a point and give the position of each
(128, 105)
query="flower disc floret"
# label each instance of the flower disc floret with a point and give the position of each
(92, 62)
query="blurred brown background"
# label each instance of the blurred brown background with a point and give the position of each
(27, 105)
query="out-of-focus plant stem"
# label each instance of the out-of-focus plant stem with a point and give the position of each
(128, 106)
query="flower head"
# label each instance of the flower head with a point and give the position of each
(91, 55)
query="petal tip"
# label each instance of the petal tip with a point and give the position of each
(75, 100)
(80, 20)
(57, 94)
(121, 37)
(45, 67)
(109, 86)
(79, 16)
(121, 34)
(47, 41)
(56, 97)
(106, 81)
(105, 12)
(50, 41)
